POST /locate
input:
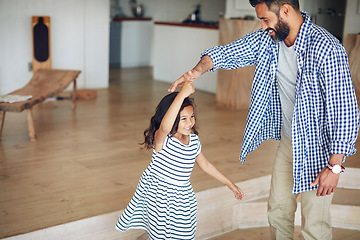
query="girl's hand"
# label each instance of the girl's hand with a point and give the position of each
(203, 65)
(189, 76)
(239, 195)
(187, 89)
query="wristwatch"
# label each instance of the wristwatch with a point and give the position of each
(336, 169)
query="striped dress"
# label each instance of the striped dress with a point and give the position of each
(164, 202)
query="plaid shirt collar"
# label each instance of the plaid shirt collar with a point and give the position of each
(304, 33)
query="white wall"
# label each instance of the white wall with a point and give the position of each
(241, 8)
(79, 40)
(352, 18)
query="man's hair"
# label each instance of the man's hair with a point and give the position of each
(274, 5)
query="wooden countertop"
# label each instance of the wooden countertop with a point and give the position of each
(193, 25)
(118, 19)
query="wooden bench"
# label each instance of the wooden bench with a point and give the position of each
(44, 84)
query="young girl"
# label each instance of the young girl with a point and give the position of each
(164, 202)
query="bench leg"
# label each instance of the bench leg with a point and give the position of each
(74, 96)
(31, 127)
(2, 119)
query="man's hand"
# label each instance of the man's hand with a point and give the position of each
(327, 181)
(189, 76)
(203, 65)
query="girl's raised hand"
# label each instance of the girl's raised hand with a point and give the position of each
(189, 76)
(187, 89)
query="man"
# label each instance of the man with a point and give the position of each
(302, 95)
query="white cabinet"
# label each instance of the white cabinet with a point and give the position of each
(130, 42)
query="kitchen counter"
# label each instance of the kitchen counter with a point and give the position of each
(206, 25)
(118, 19)
(177, 48)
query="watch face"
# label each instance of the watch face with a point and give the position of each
(336, 169)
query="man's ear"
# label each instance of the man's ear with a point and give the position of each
(285, 10)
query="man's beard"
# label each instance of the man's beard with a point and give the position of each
(281, 31)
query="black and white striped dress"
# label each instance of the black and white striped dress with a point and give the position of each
(164, 202)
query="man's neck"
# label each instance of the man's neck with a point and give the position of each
(295, 26)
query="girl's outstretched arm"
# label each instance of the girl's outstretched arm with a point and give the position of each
(203, 65)
(171, 114)
(210, 169)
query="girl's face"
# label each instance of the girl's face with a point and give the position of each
(187, 121)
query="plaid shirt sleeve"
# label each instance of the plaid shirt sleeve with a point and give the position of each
(240, 53)
(342, 112)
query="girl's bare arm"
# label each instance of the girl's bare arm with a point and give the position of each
(210, 169)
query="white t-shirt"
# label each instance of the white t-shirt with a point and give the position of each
(286, 79)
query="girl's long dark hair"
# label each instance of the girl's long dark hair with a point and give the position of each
(160, 112)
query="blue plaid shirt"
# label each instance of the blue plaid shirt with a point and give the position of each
(326, 115)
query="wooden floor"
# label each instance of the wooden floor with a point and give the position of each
(262, 233)
(87, 162)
